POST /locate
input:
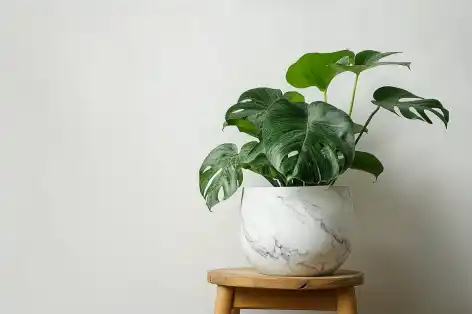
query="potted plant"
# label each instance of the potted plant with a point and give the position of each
(298, 226)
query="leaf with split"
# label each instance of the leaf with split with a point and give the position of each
(294, 97)
(313, 143)
(315, 69)
(220, 170)
(368, 59)
(253, 158)
(389, 97)
(250, 110)
(367, 162)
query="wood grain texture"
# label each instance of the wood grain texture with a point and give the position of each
(224, 300)
(249, 278)
(347, 301)
(249, 298)
(235, 311)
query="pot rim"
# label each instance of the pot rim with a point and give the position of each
(287, 187)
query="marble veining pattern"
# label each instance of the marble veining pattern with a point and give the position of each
(296, 231)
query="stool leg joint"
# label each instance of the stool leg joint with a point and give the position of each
(224, 300)
(346, 298)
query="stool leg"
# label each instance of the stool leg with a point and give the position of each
(224, 300)
(347, 301)
(235, 311)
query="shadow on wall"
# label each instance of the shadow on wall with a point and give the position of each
(401, 244)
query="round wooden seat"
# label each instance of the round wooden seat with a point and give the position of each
(249, 278)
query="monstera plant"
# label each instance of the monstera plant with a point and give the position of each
(300, 143)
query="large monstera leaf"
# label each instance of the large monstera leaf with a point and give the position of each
(369, 59)
(221, 170)
(315, 69)
(313, 143)
(389, 97)
(250, 110)
(367, 162)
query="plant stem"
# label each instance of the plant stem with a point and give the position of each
(366, 124)
(353, 94)
(325, 95)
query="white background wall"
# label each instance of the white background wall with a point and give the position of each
(107, 109)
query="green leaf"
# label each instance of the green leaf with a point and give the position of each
(315, 69)
(358, 128)
(220, 171)
(261, 95)
(244, 126)
(294, 97)
(389, 97)
(368, 59)
(250, 151)
(252, 107)
(368, 163)
(313, 143)
(253, 158)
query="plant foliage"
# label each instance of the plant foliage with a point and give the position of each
(296, 143)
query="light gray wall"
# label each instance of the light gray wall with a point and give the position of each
(107, 109)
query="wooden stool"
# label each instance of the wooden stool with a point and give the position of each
(244, 288)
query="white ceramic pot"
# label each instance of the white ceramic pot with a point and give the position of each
(296, 231)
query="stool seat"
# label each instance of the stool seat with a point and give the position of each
(245, 288)
(250, 278)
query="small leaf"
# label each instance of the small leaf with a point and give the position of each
(368, 59)
(389, 97)
(315, 69)
(244, 126)
(367, 162)
(250, 151)
(262, 166)
(251, 108)
(252, 157)
(294, 97)
(220, 171)
(358, 128)
(313, 143)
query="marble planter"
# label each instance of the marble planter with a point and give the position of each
(296, 231)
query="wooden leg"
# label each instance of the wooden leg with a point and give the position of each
(235, 311)
(347, 301)
(224, 300)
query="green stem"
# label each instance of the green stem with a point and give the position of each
(353, 95)
(367, 123)
(325, 95)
